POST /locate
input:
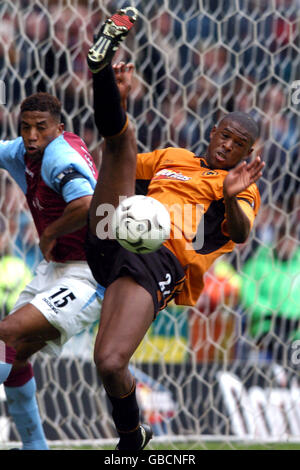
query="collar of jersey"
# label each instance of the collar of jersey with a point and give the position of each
(203, 163)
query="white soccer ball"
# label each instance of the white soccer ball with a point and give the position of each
(141, 224)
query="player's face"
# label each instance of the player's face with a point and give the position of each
(38, 129)
(229, 144)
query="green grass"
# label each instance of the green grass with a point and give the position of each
(203, 446)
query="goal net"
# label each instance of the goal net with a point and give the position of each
(227, 369)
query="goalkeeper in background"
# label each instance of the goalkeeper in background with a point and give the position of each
(221, 181)
(272, 279)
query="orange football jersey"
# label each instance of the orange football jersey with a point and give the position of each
(193, 194)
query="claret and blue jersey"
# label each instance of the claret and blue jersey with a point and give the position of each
(66, 172)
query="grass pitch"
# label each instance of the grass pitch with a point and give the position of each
(195, 446)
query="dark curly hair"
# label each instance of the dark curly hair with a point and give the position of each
(42, 102)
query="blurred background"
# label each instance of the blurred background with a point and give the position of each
(195, 61)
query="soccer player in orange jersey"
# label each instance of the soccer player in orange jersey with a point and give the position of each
(138, 286)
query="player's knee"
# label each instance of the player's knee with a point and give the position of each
(110, 365)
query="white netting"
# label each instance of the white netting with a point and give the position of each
(218, 369)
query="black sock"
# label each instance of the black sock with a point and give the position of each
(126, 417)
(110, 117)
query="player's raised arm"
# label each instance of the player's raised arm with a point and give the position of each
(231, 144)
(237, 180)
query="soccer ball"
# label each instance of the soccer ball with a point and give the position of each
(141, 224)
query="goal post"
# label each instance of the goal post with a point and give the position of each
(228, 368)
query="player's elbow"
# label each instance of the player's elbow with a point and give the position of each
(86, 203)
(80, 205)
(240, 238)
(241, 234)
(239, 230)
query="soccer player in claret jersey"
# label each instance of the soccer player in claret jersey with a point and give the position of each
(138, 286)
(58, 176)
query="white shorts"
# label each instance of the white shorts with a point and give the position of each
(67, 295)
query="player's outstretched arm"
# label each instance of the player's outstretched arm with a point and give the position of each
(237, 180)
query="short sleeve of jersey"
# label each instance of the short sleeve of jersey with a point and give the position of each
(249, 201)
(11, 150)
(76, 188)
(248, 211)
(147, 164)
(61, 161)
(12, 159)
